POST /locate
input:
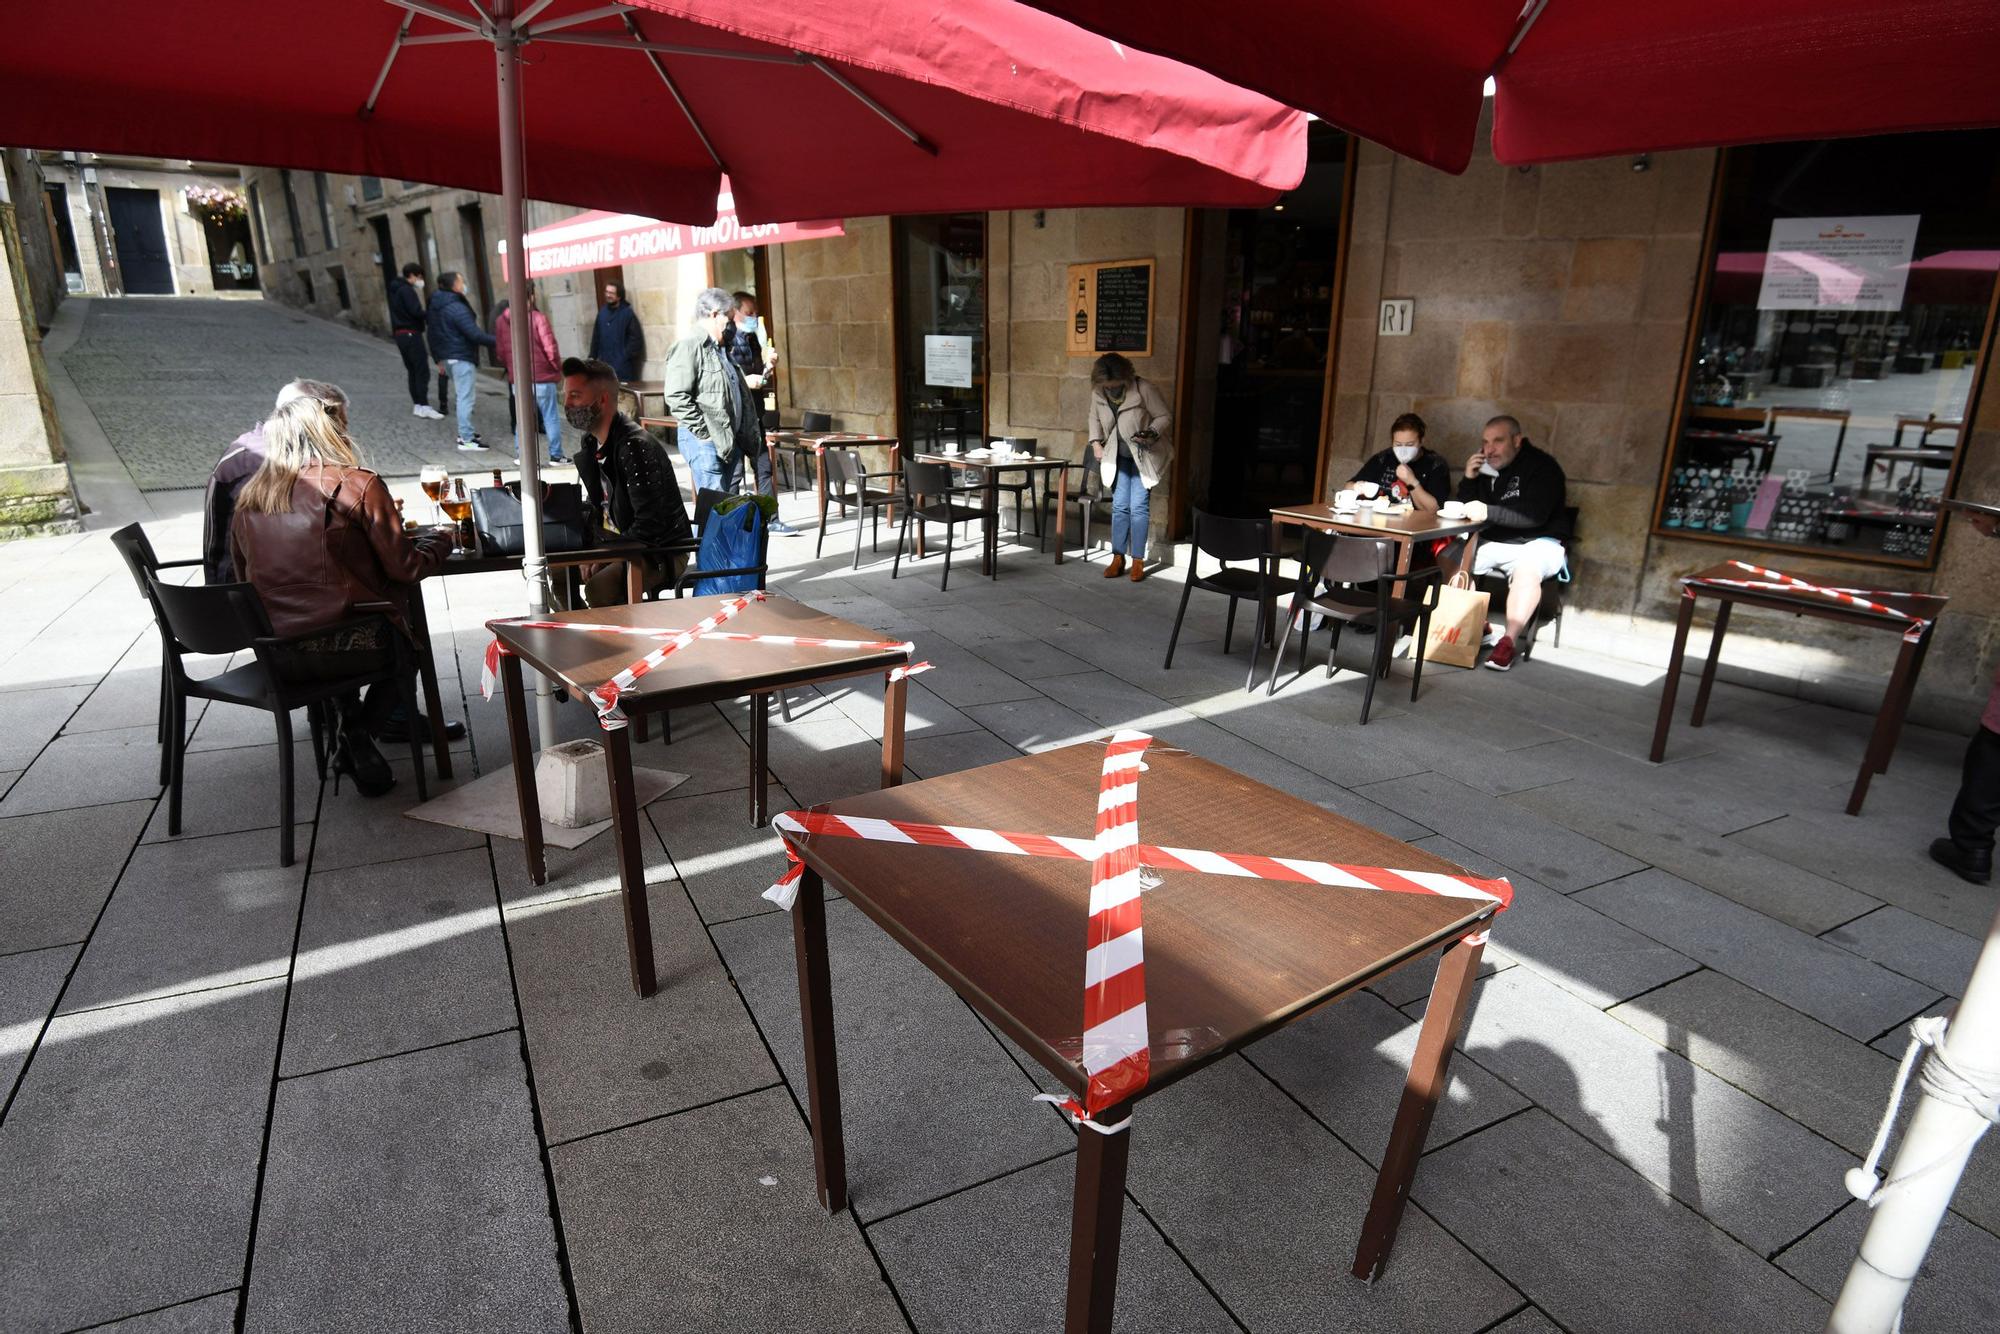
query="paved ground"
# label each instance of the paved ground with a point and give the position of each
(398, 1087)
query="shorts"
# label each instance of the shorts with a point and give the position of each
(1543, 557)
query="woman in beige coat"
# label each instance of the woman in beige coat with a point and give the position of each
(1129, 421)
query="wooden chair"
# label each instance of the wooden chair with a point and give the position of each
(1360, 572)
(1224, 540)
(934, 479)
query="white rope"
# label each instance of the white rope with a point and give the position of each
(1068, 1106)
(1954, 1082)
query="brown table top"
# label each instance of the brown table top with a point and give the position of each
(1923, 606)
(789, 433)
(1415, 526)
(715, 668)
(990, 464)
(659, 421)
(1227, 959)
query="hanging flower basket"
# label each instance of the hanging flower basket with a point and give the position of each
(213, 204)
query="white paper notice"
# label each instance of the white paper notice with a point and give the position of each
(948, 361)
(1838, 263)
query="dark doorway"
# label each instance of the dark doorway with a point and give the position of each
(1267, 281)
(65, 236)
(231, 264)
(141, 239)
(940, 281)
(472, 232)
(427, 250)
(385, 251)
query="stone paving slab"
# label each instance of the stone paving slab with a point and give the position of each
(394, 956)
(930, 756)
(662, 1218)
(604, 1057)
(229, 791)
(1683, 1129)
(90, 769)
(1573, 945)
(206, 1315)
(925, 714)
(1934, 955)
(30, 719)
(28, 986)
(373, 1173)
(57, 869)
(144, 1124)
(1864, 854)
(1954, 1292)
(994, 1260)
(358, 831)
(1596, 1246)
(189, 915)
(129, 695)
(1514, 837)
(1347, 1063)
(911, 1135)
(726, 862)
(7, 778)
(1238, 1176)
(1841, 990)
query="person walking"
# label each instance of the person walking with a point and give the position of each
(406, 325)
(706, 395)
(455, 341)
(546, 368)
(743, 344)
(1129, 422)
(619, 341)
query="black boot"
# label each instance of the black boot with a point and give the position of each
(1976, 867)
(355, 755)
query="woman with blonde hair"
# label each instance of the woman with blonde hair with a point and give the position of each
(316, 534)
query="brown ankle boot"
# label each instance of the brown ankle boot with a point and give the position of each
(1138, 569)
(1116, 567)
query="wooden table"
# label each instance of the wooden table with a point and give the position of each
(1902, 681)
(1405, 530)
(990, 466)
(1226, 960)
(817, 442)
(697, 674)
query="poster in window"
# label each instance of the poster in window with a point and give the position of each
(1858, 263)
(948, 361)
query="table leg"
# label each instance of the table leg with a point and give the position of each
(635, 593)
(420, 629)
(1708, 671)
(1903, 705)
(1673, 682)
(525, 796)
(1096, 1212)
(816, 1018)
(1400, 588)
(760, 764)
(895, 471)
(819, 482)
(1888, 722)
(1430, 1070)
(895, 700)
(1062, 509)
(631, 867)
(990, 525)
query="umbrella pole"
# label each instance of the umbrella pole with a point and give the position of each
(534, 562)
(1941, 1137)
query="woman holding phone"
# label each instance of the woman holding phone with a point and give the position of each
(1129, 422)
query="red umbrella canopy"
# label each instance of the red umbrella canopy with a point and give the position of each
(814, 107)
(1589, 78)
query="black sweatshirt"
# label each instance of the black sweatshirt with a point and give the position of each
(1525, 501)
(1433, 473)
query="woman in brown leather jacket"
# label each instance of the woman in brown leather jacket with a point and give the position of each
(317, 534)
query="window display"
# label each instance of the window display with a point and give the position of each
(1848, 306)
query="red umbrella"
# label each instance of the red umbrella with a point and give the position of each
(815, 109)
(1588, 78)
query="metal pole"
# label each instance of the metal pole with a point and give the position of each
(1941, 1138)
(534, 563)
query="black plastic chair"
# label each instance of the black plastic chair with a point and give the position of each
(140, 558)
(1361, 571)
(847, 480)
(934, 479)
(816, 421)
(228, 618)
(1225, 539)
(1555, 596)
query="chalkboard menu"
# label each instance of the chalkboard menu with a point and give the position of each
(1111, 308)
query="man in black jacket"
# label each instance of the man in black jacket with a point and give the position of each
(1522, 488)
(619, 340)
(406, 322)
(455, 341)
(628, 481)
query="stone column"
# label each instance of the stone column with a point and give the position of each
(35, 494)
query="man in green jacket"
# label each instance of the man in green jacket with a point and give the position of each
(715, 410)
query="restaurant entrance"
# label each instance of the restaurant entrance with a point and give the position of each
(1263, 287)
(940, 329)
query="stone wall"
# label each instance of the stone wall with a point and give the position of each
(832, 307)
(35, 494)
(41, 262)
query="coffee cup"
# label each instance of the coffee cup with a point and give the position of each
(1344, 500)
(1366, 489)
(1452, 509)
(951, 448)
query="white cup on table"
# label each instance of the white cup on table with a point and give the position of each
(1452, 509)
(1344, 500)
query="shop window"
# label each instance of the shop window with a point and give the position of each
(371, 188)
(941, 320)
(1846, 320)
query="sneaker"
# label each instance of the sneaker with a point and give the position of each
(427, 412)
(1502, 656)
(783, 529)
(472, 446)
(558, 460)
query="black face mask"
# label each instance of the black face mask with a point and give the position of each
(582, 418)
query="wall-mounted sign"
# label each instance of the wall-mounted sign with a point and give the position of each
(1111, 308)
(1398, 317)
(948, 361)
(1838, 263)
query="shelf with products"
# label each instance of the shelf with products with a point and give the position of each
(1795, 509)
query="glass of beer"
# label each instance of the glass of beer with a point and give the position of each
(434, 480)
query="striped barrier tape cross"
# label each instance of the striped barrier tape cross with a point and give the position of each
(1116, 1046)
(1779, 581)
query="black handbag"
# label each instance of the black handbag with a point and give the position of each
(496, 518)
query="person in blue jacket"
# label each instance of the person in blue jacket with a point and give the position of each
(618, 340)
(455, 341)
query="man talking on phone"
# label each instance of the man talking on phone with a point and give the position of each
(1523, 489)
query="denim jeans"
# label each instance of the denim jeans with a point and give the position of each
(1131, 511)
(706, 465)
(548, 402)
(464, 385)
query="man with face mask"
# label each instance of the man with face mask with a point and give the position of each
(706, 395)
(627, 479)
(1522, 488)
(743, 344)
(1407, 470)
(406, 323)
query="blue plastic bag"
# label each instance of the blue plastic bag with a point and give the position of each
(730, 540)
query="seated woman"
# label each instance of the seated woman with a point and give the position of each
(316, 533)
(1407, 470)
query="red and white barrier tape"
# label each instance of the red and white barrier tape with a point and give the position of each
(1779, 581)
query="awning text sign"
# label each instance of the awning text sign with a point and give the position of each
(600, 240)
(1839, 263)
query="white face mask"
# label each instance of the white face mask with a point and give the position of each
(1406, 453)
(748, 326)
